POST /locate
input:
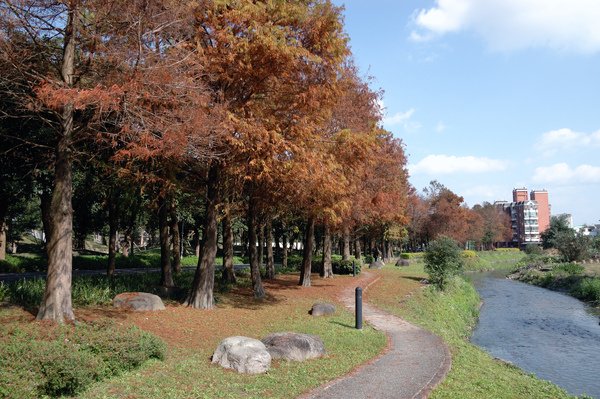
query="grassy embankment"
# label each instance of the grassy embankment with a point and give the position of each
(452, 315)
(579, 280)
(192, 335)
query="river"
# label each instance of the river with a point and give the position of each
(547, 333)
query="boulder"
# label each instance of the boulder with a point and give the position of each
(294, 346)
(138, 301)
(378, 264)
(322, 309)
(242, 354)
(403, 262)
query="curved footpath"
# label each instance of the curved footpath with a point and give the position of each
(413, 364)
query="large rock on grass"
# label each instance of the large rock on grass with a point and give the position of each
(243, 354)
(403, 262)
(294, 346)
(378, 264)
(138, 301)
(322, 309)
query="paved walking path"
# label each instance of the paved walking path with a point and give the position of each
(415, 362)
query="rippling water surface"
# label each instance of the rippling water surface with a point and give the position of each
(552, 335)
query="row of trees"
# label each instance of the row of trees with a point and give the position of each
(210, 111)
(440, 212)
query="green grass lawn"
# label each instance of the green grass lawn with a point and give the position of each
(190, 375)
(452, 315)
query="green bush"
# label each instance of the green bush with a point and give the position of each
(67, 359)
(345, 266)
(294, 262)
(572, 247)
(68, 371)
(412, 255)
(3, 292)
(442, 261)
(369, 259)
(533, 249)
(88, 290)
(588, 289)
(570, 269)
(468, 254)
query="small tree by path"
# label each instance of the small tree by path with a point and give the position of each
(442, 261)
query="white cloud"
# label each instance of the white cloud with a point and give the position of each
(399, 117)
(450, 164)
(561, 173)
(516, 24)
(566, 139)
(403, 119)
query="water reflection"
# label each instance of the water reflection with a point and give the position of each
(547, 333)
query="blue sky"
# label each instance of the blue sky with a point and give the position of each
(489, 95)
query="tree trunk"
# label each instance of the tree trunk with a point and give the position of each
(270, 269)
(228, 272)
(284, 252)
(327, 269)
(3, 227)
(261, 245)
(197, 242)
(166, 278)
(346, 251)
(357, 252)
(127, 243)
(112, 234)
(57, 304)
(277, 240)
(3, 240)
(257, 286)
(307, 253)
(45, 202)
(175, 240)
(202, 293)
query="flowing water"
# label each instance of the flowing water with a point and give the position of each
(547, 333)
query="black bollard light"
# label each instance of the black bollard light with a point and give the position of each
(354, 268)
(358, 308)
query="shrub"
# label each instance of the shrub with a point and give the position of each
(442, 261)
(345, 266)
(571, 246)
(65, 360)
(3, 292)
(507, 250)
(588, 289)
(571, 269)
(369, 259)
(468, 254)
(533, 249)
(294, 262)
(412, 255)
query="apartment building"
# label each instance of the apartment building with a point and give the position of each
(529, 215)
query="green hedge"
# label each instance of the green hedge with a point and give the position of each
(412, 255)
(65, 360)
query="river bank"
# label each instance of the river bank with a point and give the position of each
(581, 281)
(452, 315)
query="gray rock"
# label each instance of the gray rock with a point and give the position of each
(138, 301)
(377, 265)
(322, 309)
(243, 354)
(294, 346)
(403, 262)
